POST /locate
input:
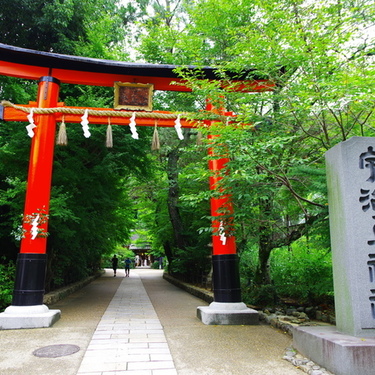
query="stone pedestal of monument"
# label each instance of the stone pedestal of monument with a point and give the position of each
(339, 353)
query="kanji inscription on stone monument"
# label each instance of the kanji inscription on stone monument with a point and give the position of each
(367, 199)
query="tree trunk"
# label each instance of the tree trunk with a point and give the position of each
(173, 197)
(263, 276)
(169, 254)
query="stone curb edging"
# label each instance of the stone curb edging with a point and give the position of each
(274, 320)
(304, 364)
(201, 293)
(59, 294)
(208, 297)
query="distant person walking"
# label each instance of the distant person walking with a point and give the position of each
(114, 265)
(127, 266)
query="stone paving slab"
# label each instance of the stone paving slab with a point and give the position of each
(129, 338)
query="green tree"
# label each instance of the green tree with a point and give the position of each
(161, 30)
(90, 210)
(58, 26)
(322, 69)
(319, 61)
(179, 215)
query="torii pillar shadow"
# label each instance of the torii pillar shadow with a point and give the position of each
(27, 309)
(227, 308)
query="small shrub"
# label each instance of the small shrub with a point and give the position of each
(302, 273)
(155, 265)
(7, 274)
(248, 266)
(191, 264)
(263, 295)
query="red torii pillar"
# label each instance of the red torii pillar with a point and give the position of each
(27, 309)
(226, 278)
(227, 307)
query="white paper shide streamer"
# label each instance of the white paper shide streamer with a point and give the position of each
(178, 128)
(132, 126)
(85, 124)
(223, 237)
(34, 227)
(31, 126)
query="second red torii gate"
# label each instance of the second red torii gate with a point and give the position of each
(51, 69)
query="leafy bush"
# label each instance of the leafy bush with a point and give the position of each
(262, 295)
(191, 265)
(302, 273)
(7, 274)
(248, 265)
(155, 265)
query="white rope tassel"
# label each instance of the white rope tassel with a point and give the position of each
(31, 126)
(132, 126)
(178, 128)
(85, 124)
(155, 145)
(109, 138)
(62, 139)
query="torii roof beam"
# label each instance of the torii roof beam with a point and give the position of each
(31, 64)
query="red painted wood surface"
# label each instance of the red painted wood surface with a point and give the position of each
(221, 207)
(40, 170)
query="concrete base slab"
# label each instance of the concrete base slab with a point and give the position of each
(19, 317)
(219, 313)
(337, 352)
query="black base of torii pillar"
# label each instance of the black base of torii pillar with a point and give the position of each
(227, 308)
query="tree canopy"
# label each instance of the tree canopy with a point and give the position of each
(320, 56)
(91, 212)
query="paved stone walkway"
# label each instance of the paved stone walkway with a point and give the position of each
(135, 325)
(129, 338)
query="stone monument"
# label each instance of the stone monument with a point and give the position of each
(351, 196)
(349, 348)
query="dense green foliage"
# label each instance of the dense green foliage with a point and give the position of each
(318, 60)
(91, 212)
(7, 271)
(77, 27)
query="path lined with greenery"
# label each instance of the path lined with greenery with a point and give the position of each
(320, 55)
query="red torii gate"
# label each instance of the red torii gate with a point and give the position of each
(51, 69)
